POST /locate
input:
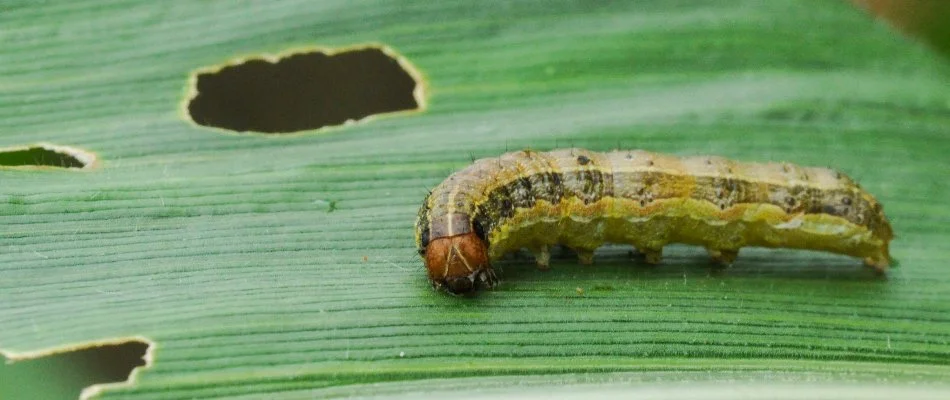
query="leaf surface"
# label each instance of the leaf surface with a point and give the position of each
(285, 267)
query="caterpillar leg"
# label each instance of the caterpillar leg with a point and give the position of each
(878, 264)
(585, 256)
(651, 256)
(723, 257)
(542, 256)
(488, 278)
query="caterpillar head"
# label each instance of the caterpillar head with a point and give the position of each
(459, 264)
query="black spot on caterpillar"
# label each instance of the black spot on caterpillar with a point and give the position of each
(583, 199)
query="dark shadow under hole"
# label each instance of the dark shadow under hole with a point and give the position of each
(303, 91)
(41, 156)
(65, 375)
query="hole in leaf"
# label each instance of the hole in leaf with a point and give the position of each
(72, 374)
(304, 90)
(45, 155)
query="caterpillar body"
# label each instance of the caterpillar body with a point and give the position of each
(583, 199)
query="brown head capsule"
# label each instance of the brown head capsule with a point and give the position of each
(459, 264)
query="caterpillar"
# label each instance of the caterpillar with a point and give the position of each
(582, 199)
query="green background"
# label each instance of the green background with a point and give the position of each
(225, 250)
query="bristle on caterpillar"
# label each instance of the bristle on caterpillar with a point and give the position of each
(583, 199)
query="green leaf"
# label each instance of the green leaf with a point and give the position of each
(284, 266)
